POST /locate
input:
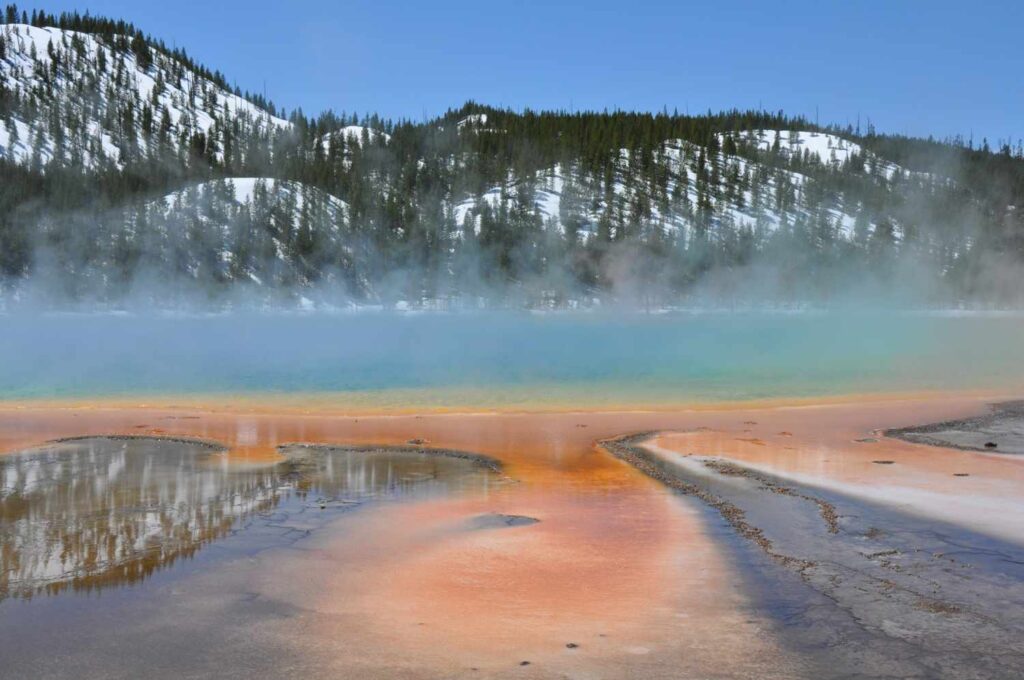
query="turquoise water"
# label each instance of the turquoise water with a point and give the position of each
(490, 358)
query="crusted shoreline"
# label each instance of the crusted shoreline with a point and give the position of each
(999, 431)
(860, 589)
(293, 451)
(173, 439)
(628, 448)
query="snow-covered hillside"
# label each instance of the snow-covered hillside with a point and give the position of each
(265, 231)
(82, 101)
(686, 189)
(108, 140)
(293, 206)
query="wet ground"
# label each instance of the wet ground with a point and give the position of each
(95, 512)
(504, 545)
(105, 540)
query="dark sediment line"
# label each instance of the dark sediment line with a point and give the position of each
(1000, 431)
(295, 452)
(292, 451)
(173, 439)
(862, 590)
(825, 509)
(628, 448)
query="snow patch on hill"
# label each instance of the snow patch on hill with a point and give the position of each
(354, 135)
(545, 193)
(474, 119)
(826, 148)
(247, 191)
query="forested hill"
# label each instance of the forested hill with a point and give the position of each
(130, 175)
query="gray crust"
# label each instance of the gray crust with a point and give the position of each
(1002, 426)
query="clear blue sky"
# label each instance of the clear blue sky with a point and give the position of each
(920, 67)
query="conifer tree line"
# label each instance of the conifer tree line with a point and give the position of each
(123, 161)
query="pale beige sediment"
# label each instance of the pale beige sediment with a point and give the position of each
(842, 450)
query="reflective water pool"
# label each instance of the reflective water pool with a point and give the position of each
(94, 512)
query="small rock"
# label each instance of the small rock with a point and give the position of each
(961, 474)
(883, 462)
(417, 442)
(496, 520)
(991, 445)
(571, 645)
(524, 663)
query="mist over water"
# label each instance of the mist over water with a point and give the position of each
(506, 358)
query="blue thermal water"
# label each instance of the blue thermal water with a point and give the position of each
(673, 357)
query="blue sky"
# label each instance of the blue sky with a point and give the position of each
(935, 67)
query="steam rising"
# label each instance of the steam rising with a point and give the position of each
(287, 245)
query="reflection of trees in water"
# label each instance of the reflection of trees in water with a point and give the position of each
(98, 512)
(93, 512)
